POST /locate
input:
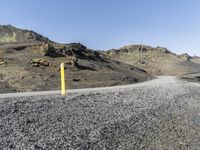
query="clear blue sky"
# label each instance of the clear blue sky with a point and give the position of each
(106, 24)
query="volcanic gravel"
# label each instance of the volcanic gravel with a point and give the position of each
(160, 114)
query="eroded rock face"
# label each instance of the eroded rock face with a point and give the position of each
(76, 50)
(79, 51)
(49, 50)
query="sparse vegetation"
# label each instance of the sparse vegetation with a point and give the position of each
(2, 62)
(8, 38)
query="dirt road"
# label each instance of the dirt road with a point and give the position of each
(163, 113)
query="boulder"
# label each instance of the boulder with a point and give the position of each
(37, 62)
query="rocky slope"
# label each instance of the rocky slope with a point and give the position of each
(30, 62)
(155, 60)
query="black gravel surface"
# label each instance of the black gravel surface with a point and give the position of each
(154, 116)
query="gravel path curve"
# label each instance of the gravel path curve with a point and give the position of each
(163, 113)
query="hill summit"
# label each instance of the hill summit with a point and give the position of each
(11, 34)
(155, 60)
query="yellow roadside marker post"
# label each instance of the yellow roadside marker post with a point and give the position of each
(62, 72)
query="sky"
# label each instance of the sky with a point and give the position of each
(107, 24)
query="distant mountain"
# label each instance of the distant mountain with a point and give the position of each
(11, 34)
(155, 60)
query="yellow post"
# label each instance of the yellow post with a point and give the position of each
(62, 72)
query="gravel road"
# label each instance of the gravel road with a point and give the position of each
(163, 113)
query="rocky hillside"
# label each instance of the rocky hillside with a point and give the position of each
(32, 64)
(155, 60)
